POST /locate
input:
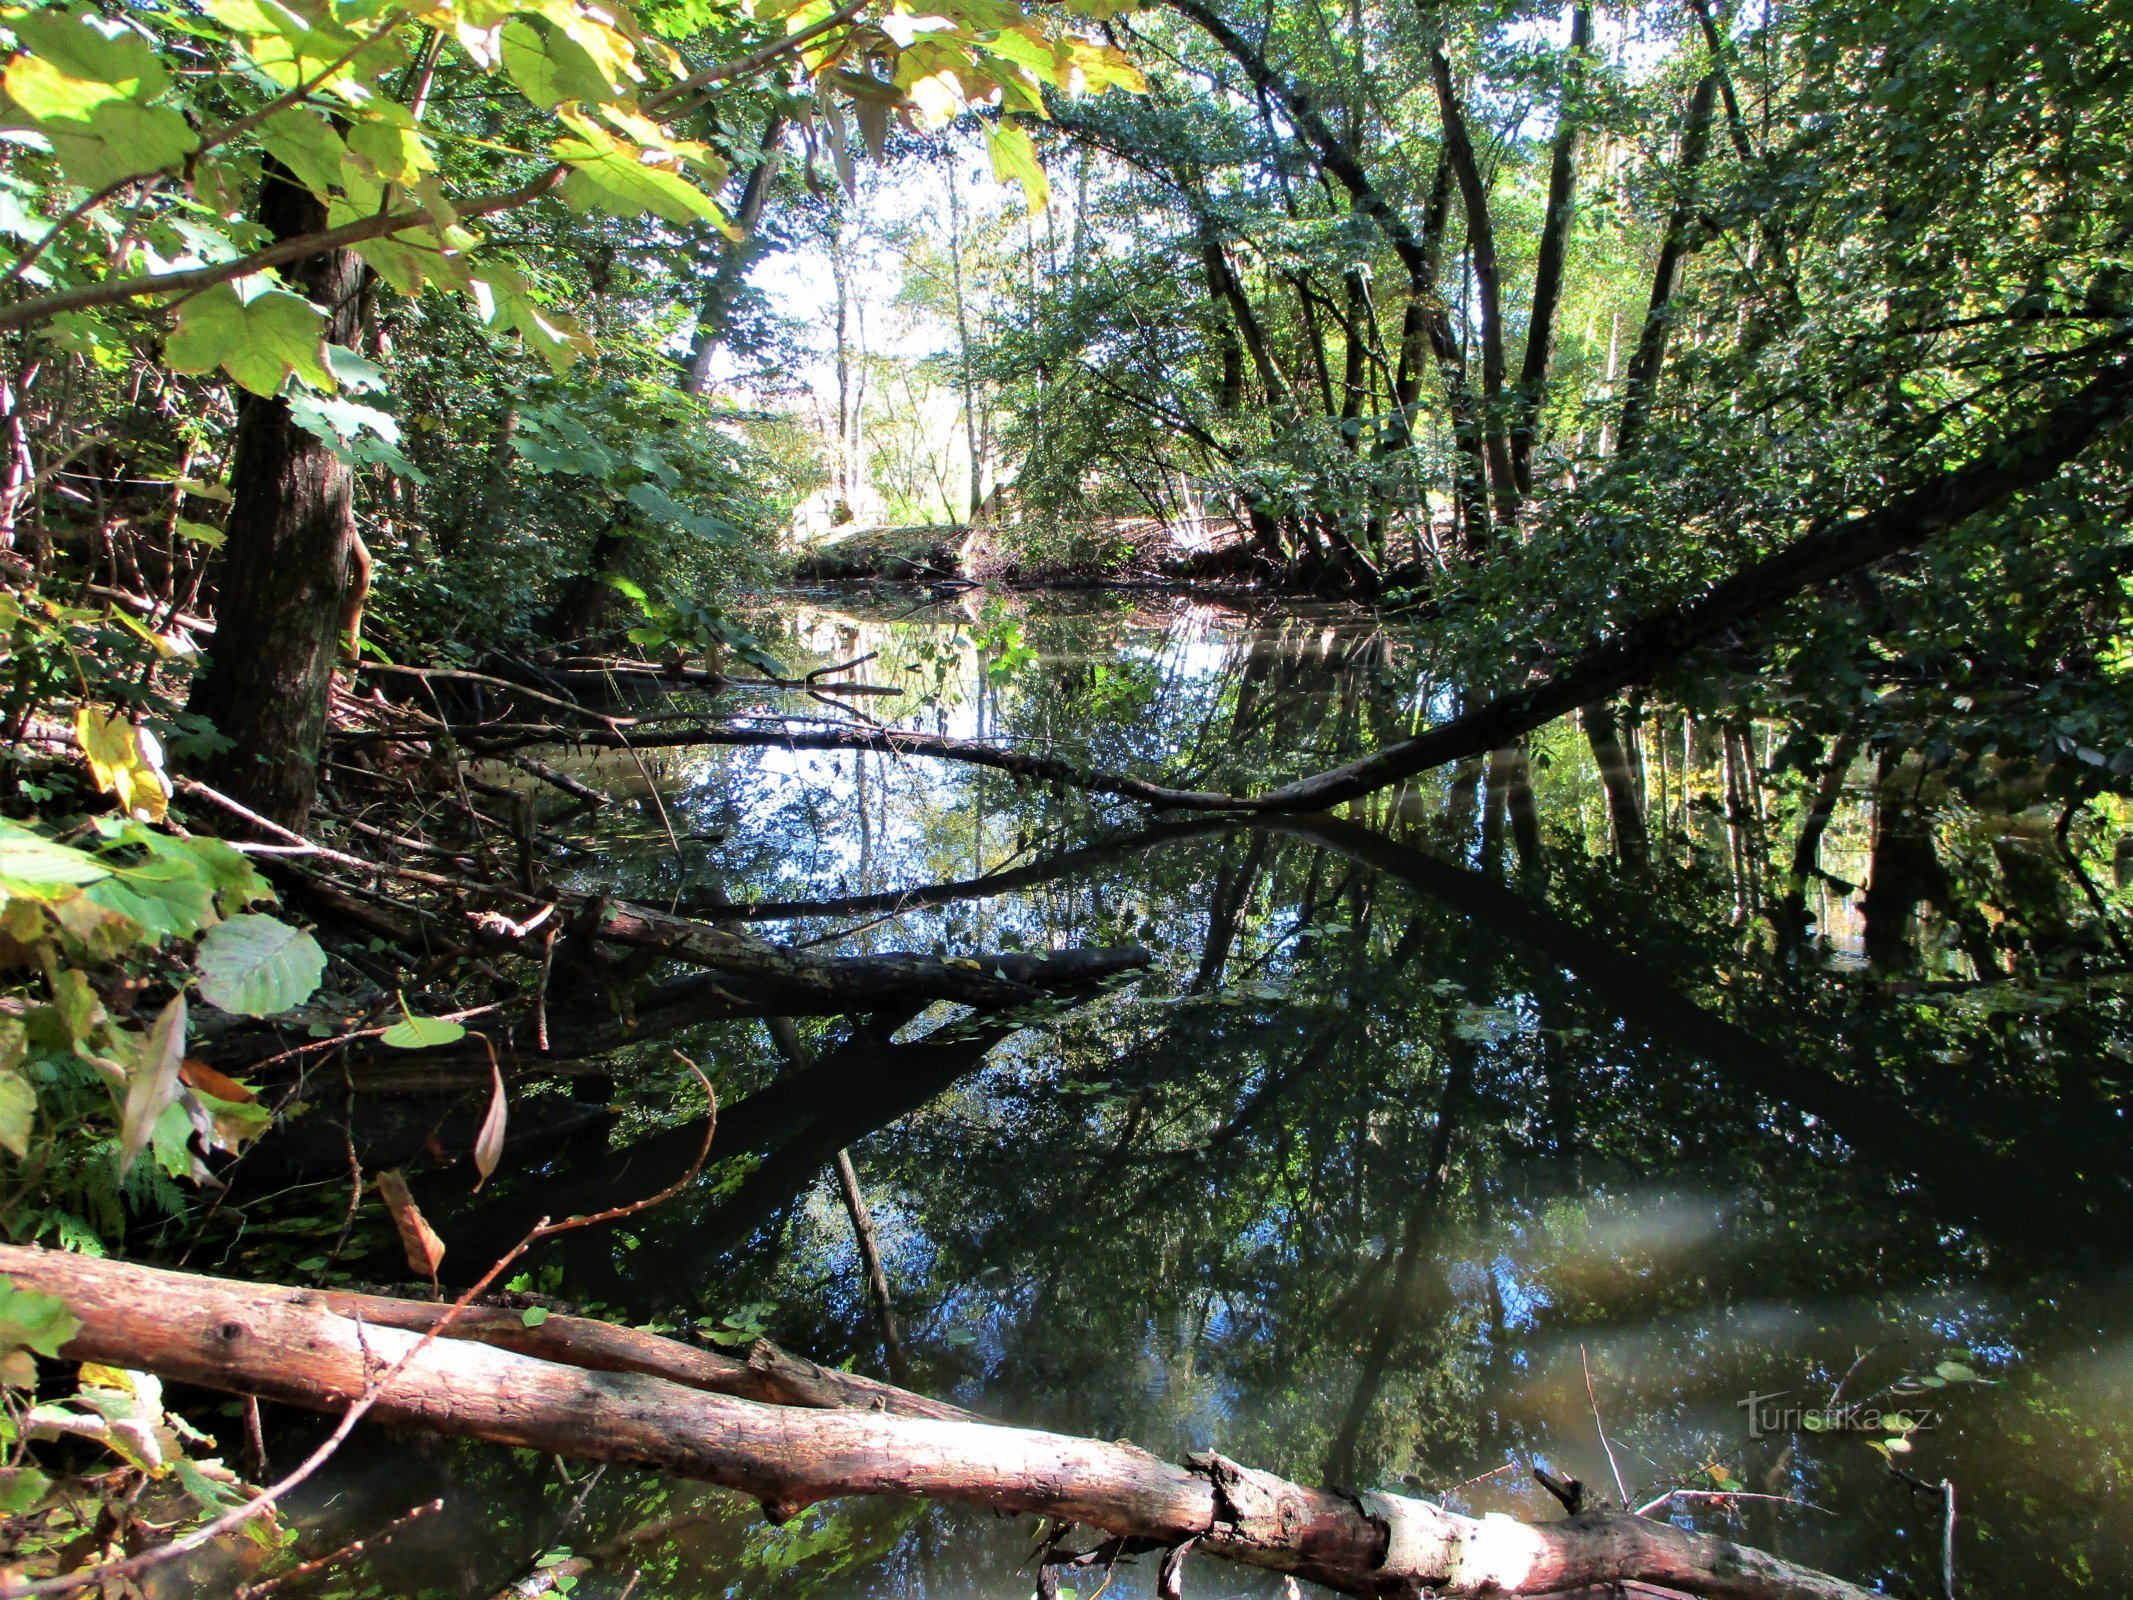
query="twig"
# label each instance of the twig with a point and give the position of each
(1947, 1540)
(347, 1552)
(1620, 1488)
(131, 1567)
(1655, 1503)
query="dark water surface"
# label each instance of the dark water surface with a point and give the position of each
(1540, 1087)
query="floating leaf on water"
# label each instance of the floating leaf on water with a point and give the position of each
(1955, 1372)
(420, 1033)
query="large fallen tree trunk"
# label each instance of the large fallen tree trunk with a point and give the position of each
(303, 1349)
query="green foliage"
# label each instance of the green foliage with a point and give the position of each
(145, 1454)
(88, 1078)
(256, 965)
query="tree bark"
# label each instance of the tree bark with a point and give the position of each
(288, 562)
(1625, 811)
(1548, 262)
(295, 1348)
(715, 312)
(1641, 381)
(1488, 286)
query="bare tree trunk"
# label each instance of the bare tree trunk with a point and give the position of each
(289, 564)
(714, 312)
(1548, 262)
(1641, 382)
(1402, 1304)
(972, 430)
(293, 1346)
(1625, 811)
(1481, 252)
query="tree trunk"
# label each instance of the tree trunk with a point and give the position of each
(714, 313)
(1481, 250)
(1625, 810)
(288, 562)
(295, 1347)
(1642, 379)
(1548, 262)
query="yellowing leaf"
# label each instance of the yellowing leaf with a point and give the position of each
(18, 1113)
(86, 84)
(257, 334)
(98, 135)
(1014, 160)
(125, 761)
(612, 175)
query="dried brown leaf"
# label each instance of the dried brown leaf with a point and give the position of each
(424, 1249)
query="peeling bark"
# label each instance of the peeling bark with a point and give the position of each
(291, 1347)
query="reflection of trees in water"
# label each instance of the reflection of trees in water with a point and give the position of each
(1717, 1047)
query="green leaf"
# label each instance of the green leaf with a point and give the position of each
(550, 68)
(38, 869)
(390, 145)
(534, 1316)
(304, 141)
(1956, 1372)
(87, 90)
(29, 1322)
(111, 54)
(169, 899)
(256, 965)
(20, 1489)
(257, 334)
(422, 1033)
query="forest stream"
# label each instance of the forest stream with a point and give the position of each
(1517, 1106)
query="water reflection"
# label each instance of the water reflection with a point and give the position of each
(1689, 1051)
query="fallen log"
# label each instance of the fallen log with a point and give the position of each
(804, 983)
(286, 1346)
(767, 1373)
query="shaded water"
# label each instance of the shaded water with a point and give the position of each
(1539, 1067)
